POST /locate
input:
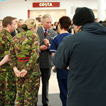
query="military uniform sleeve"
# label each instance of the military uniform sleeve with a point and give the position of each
(12, 55)
(34, 54)
(6, 40)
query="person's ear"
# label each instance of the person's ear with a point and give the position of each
(78, 27)
(59, 25)
(42, 22)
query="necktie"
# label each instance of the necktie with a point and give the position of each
(45, 33)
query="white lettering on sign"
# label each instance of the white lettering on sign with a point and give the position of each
(45, 4)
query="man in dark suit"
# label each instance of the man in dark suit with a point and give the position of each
(45, 34)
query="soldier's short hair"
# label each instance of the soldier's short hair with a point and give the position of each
(30, 23)
(7, 20)
(46, 16)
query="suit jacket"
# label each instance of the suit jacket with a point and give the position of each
(45, 59)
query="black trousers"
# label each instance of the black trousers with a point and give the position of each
(45, 84)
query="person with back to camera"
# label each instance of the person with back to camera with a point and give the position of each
(63, 26)
(85, 54)
(23, 59)
(45, 33)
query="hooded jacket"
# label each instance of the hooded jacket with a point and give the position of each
(85, 54)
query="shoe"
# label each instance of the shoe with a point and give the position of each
(46, 105)
(54, 69)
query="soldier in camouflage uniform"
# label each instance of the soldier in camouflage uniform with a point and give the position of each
(23, 58)
(7, 76)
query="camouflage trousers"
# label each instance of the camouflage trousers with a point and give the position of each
(27, 90)
(7, 87)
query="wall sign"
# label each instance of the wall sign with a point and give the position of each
(46, 4)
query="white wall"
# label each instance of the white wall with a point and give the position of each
(19, 8)
(14, 8)
(55, 14)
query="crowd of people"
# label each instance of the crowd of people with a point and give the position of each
(76, 48)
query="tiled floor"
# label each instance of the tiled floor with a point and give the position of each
(54, 98)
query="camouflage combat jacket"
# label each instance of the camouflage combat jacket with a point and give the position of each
(5, 42)
(24, 53)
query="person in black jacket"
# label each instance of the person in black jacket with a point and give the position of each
(85, 54)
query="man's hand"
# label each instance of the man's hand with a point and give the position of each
(46, 42)
(23, 73)
(68, 68)
(43, 47)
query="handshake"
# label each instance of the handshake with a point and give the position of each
(18, 73)
(46, 45)
(46, 42)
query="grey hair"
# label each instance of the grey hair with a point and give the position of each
(46, 16)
